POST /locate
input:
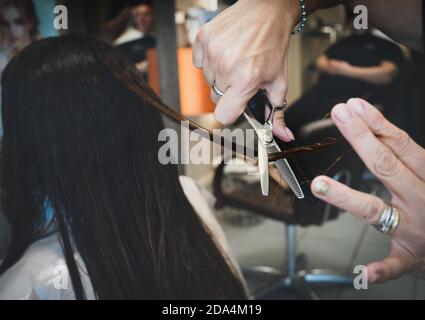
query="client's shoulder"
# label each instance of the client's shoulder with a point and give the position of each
(41, 273)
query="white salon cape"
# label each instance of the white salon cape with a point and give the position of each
(41, 272)
(128, 35)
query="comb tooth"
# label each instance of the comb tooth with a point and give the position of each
(285, 170)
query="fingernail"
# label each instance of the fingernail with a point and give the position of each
(290, 134)
(283, 134)
(342, 113)
(357, 105)
(321, 187)
(222, 119)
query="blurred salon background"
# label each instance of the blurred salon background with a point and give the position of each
(299, 250)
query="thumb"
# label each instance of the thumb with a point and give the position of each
(280, 130)
(395, 265)
(276, 92)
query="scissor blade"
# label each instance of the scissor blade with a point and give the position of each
(263, 168)
(286, 172)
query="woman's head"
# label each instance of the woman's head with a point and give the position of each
(18, 22)
(81, 133)
(142, 17)
(75, 94)
(138, 14)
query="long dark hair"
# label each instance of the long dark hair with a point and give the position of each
(81, 133)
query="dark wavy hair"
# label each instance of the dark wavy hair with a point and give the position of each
(81, 132)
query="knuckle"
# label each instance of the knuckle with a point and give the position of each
(387, 164)
(256, 73)
(402, 142)
(212, 50)
(372, 210)
(202, 36)
(279, 91)
(279, 116)
(380, 123)
(225, 65)
(251, 77)
(284, 86)
(359, 132)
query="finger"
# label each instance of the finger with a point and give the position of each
(214, 96)
(198, 50)
(208, 69)
(232, 104)
(221, 86)
(277, 91)
(409, 152)
(382, 271)
(379, 159)
(279, 128)
(367, 208)
(364, 206)
(390, 268)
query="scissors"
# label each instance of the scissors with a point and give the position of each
(267, 144)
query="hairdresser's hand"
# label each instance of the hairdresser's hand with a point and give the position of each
(395, 159)
(245, 49)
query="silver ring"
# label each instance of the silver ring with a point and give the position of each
(280, 108)
(388, 220)
(216, 90)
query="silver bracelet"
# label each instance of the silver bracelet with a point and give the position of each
(303, 20)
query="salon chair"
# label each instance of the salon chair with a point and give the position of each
(282, 206)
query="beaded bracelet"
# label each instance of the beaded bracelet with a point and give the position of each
(303, 20)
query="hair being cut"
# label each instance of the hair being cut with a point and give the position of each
(81, 134)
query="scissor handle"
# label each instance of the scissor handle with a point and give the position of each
(259, 102)
(257, 106)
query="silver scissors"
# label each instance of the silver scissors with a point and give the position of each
(267, 146)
